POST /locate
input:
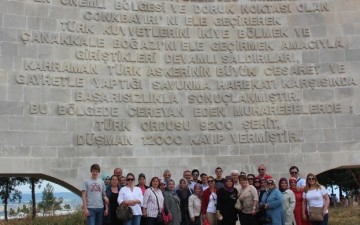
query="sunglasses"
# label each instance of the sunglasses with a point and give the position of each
(311, 178)
(293, 172)
(210, 181)
(129, 179)
(250, 178)
(270, 183)
(257, 181)
(261, 169)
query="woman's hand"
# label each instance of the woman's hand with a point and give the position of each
(192, 219)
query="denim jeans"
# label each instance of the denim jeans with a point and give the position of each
(135, 220)
(96, 216)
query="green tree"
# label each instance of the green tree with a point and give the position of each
(348, 179)
(34, 182)
(8, 191)
(49, 202)
(12, 212)
(25, 209)
(67, 206)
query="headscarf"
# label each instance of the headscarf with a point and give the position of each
(200, 194)
(280, 181)
(228, 189)
(183, 191)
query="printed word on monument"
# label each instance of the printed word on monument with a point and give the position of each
(152, 85)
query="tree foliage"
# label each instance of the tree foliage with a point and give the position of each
(8, 191)
(49, 202)
(347, 179)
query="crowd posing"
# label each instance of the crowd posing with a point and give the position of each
(201, 199)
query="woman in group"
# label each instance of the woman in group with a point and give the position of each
(251, 178)
(153, 201)
(288, 202)
(112, 193)
(249, 199)
(227, 196)
(141, 184)
(298, 191)
(195, 205)
(271, 202)
(132, 196)
(184, 193)
(260, 191)
(172, 203)
(315, 195)
(208, 202)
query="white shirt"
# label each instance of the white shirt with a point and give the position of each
(126, 194)
(150, 202)
(212, 203)
(300, 182)
(315, 197)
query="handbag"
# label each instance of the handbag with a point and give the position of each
(159, 217)
(316, 214)
(124, 212)
(238, 204)
(166, 215)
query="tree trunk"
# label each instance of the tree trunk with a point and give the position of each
(32, 183)
(6, 199)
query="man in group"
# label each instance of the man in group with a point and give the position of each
(294, 172)
(93, 194)
(204, 182)
(195, 176)
(262, 172)
(219, 180)
(235, 176)
(118, 172)
(187, 176)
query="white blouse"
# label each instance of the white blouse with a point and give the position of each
(126, 194)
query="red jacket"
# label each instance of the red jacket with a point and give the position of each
(205, 200)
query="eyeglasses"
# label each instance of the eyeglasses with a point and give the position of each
(270, 183)
(210, 181)
(129, 179)
(261, 169)
(294, 172)
(311, 178)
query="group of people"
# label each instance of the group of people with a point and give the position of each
(199, 199)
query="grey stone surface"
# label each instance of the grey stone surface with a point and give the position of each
(166, 88)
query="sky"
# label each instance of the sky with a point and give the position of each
(25, 189)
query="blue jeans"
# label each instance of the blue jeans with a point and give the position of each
(324, 222)
(135, 220)
(96, 216)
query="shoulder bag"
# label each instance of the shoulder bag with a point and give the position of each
(316, 214)
(159, 218)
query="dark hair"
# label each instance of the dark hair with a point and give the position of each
(218, 168)
(242, 177)
(195, 170)
(130, 174)
(294, 167)
(250, 174)
(203, 174)
(141, 175)
(114, 176)
(154, 178)
(211, 177)
(95, 167)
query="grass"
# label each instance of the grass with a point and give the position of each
(337, 216)
(344, 216)
(77, 218)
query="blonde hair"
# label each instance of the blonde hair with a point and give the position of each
(307, 186)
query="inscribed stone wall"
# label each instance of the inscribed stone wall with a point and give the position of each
(152, 85)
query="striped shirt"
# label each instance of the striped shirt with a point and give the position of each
(150, 202)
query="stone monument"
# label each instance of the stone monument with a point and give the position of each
(182, 84)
